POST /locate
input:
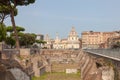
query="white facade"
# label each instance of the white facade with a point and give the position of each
(72, 41)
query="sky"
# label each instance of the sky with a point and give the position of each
(59, 16)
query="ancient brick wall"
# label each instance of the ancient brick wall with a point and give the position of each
(101, 68)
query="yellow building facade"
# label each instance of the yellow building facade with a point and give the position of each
(95, 40)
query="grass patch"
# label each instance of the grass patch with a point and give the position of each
(58, 76)
(43, 77)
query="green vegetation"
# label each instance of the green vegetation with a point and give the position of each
(5, 12)
(41, 41)
(58, 76)
(18, 28)
(116, 45)
(43, 77)
(10, 41)
(27, 39)
(8, 7)
(2, 32)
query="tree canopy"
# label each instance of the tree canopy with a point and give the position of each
(16, 2)
(27, 39)
(41, 41)
(18, 28)
(12, 4)
(5, 12)
(10, 41)
(2, 32)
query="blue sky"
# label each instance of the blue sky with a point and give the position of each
(51, 16)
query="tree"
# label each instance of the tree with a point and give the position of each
(27, 39)
(9, 29)
(12, 4)
(10, 41)
(18, 28)
(5, 12)
(2, 32)
(40, 41)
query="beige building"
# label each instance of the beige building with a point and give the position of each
(71, 42)
(95, 40)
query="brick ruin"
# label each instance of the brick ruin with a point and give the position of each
(36, 62)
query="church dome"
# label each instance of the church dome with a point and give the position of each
(73, 32)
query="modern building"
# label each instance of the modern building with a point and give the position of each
(40, 37)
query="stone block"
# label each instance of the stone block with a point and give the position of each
(71, 71)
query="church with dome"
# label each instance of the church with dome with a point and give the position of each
(71, 42)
